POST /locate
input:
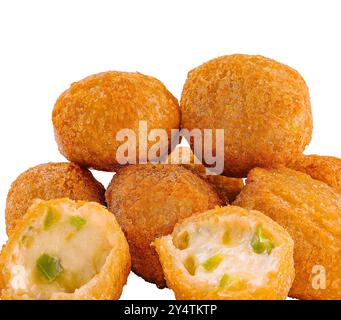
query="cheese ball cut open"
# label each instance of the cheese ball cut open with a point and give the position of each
(148, 200)
(227, 253)
(65, 250)
(49, 181)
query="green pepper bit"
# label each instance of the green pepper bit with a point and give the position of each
(260, 243)
(49, 267)
(212, 263)
(231, 283)
(52, 216)
(78, 222)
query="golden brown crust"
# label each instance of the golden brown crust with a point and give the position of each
(324, 168)
(148, 200)
(185, 287)
(107, 285)
(262, 105)
(228, 188)
(50, 181)
(311, 212)
(89, 114)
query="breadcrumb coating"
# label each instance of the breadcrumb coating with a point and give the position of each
(227, 187)
(108, 253)
(310, 210)
(50, 181)
(88, 115)
(324, 168)
(262, 105)
(148, 200)
(221, 261)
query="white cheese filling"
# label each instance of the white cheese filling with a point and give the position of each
(228, 241)
(81, 249)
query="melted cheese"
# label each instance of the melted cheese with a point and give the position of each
(82, 253)
(208, 239)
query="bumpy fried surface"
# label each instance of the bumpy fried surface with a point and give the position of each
(218, 260)
(311, 212)
(89, 270)
(324, 168)
(148, 200)
(50, 181)
(262, 105)
(227, 187)
(90, 113)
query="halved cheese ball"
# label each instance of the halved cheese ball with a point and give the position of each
(148, 200)
(228, 253)
(64, 250)
(49, 181)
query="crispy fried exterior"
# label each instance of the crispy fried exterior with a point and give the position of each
(262, 105)
(185, 288)
(88, 115)
(50, 181)
(148, 200)
(311, 212)
(107, 285)
(227, 187)
(324, 168)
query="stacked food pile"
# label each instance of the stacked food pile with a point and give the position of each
(163, 216)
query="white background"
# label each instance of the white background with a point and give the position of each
(46, 45)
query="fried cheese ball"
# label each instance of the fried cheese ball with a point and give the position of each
(310, 210)
(324, 168)
(228, 253)
(262, 105)
(227, 187)
(88, 116)
(148, 200)
(65, 250)
(50, 181)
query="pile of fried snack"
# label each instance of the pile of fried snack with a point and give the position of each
(203, 236)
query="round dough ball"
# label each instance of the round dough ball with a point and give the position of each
(262, 105)
(50, 181)
(88, 115)
(148, 200)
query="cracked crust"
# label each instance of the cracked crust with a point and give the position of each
(50, 181)
(311, 212)
(148, 200)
